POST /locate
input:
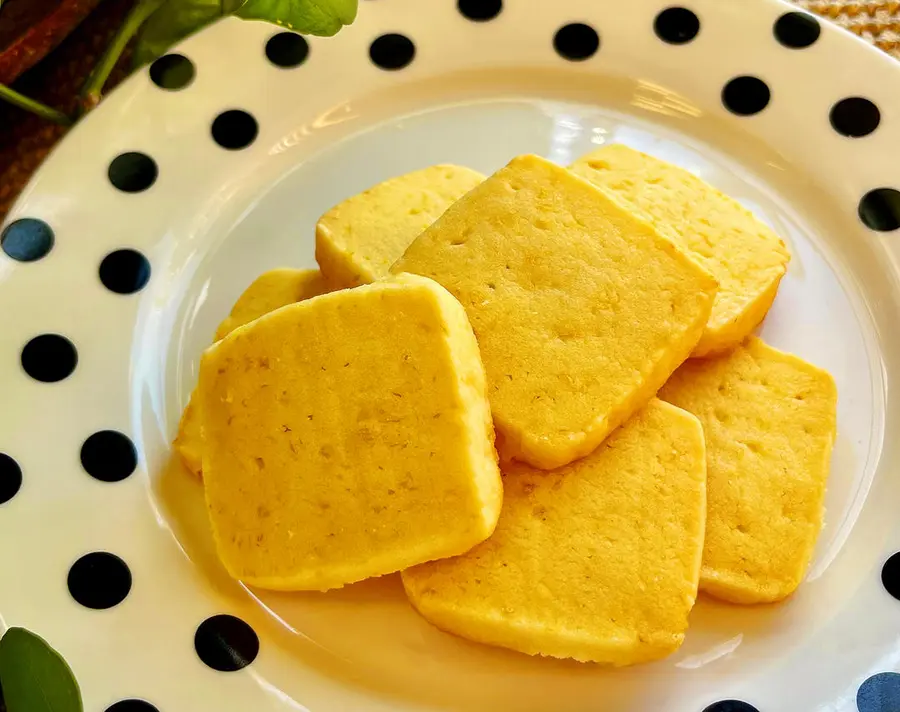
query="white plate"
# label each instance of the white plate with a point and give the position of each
(476, 93)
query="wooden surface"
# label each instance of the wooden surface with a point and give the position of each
(26, 140)
(31, 29)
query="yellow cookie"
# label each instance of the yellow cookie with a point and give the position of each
(581, 310)
(269, 291)
(597, 561)
(358, 240)
(348, 436)
(742, 253)
(769, 420)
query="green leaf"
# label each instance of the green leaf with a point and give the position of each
(309, 17)
(34, 676)
(175, 20)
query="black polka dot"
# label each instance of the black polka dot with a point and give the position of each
(132, 172)
(234, 129)
(880, 693)
(731, 706)
(49, 358)
(172, 72)
(480, 10)
(879, 209)
(10, 478)
(287, 49)
(392, 51)
(890, 575)
(797, 29)
(676, 25)
(27, 239)
(108, 456)
(124, 271)
(226, 643)
(576, 42)
(99, 580)
(132, 706)
(855, 116)
(745, 96)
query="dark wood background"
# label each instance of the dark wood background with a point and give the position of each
(25, 139)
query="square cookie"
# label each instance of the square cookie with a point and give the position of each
(348, 436)
(597, 561)
(581, 310)
(770, 421)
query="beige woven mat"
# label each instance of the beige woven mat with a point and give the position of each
(876, 20)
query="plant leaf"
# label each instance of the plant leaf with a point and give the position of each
(310, 17)
(35, 678)
(175, 20)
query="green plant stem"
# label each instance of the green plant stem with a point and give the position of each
(13, 97)
(92, 90)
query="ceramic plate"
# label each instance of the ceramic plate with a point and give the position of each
(135, 238)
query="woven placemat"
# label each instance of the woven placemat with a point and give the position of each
(26, 140)
(876, 20)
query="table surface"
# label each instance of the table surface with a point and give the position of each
(25, 140)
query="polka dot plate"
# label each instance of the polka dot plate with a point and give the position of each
(212, 166)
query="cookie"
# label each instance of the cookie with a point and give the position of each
(582, 311)
(348, 436)
(358, 240)
(770, 421)
(597, 561)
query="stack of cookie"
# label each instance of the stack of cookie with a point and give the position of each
(594, 323)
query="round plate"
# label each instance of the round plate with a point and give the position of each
(140, 231)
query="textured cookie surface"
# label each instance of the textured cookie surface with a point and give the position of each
(581, 310)
(744, 255)
(769, 420)
(358, 240)
(270, 291)
(348, 436)
(596, 561)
